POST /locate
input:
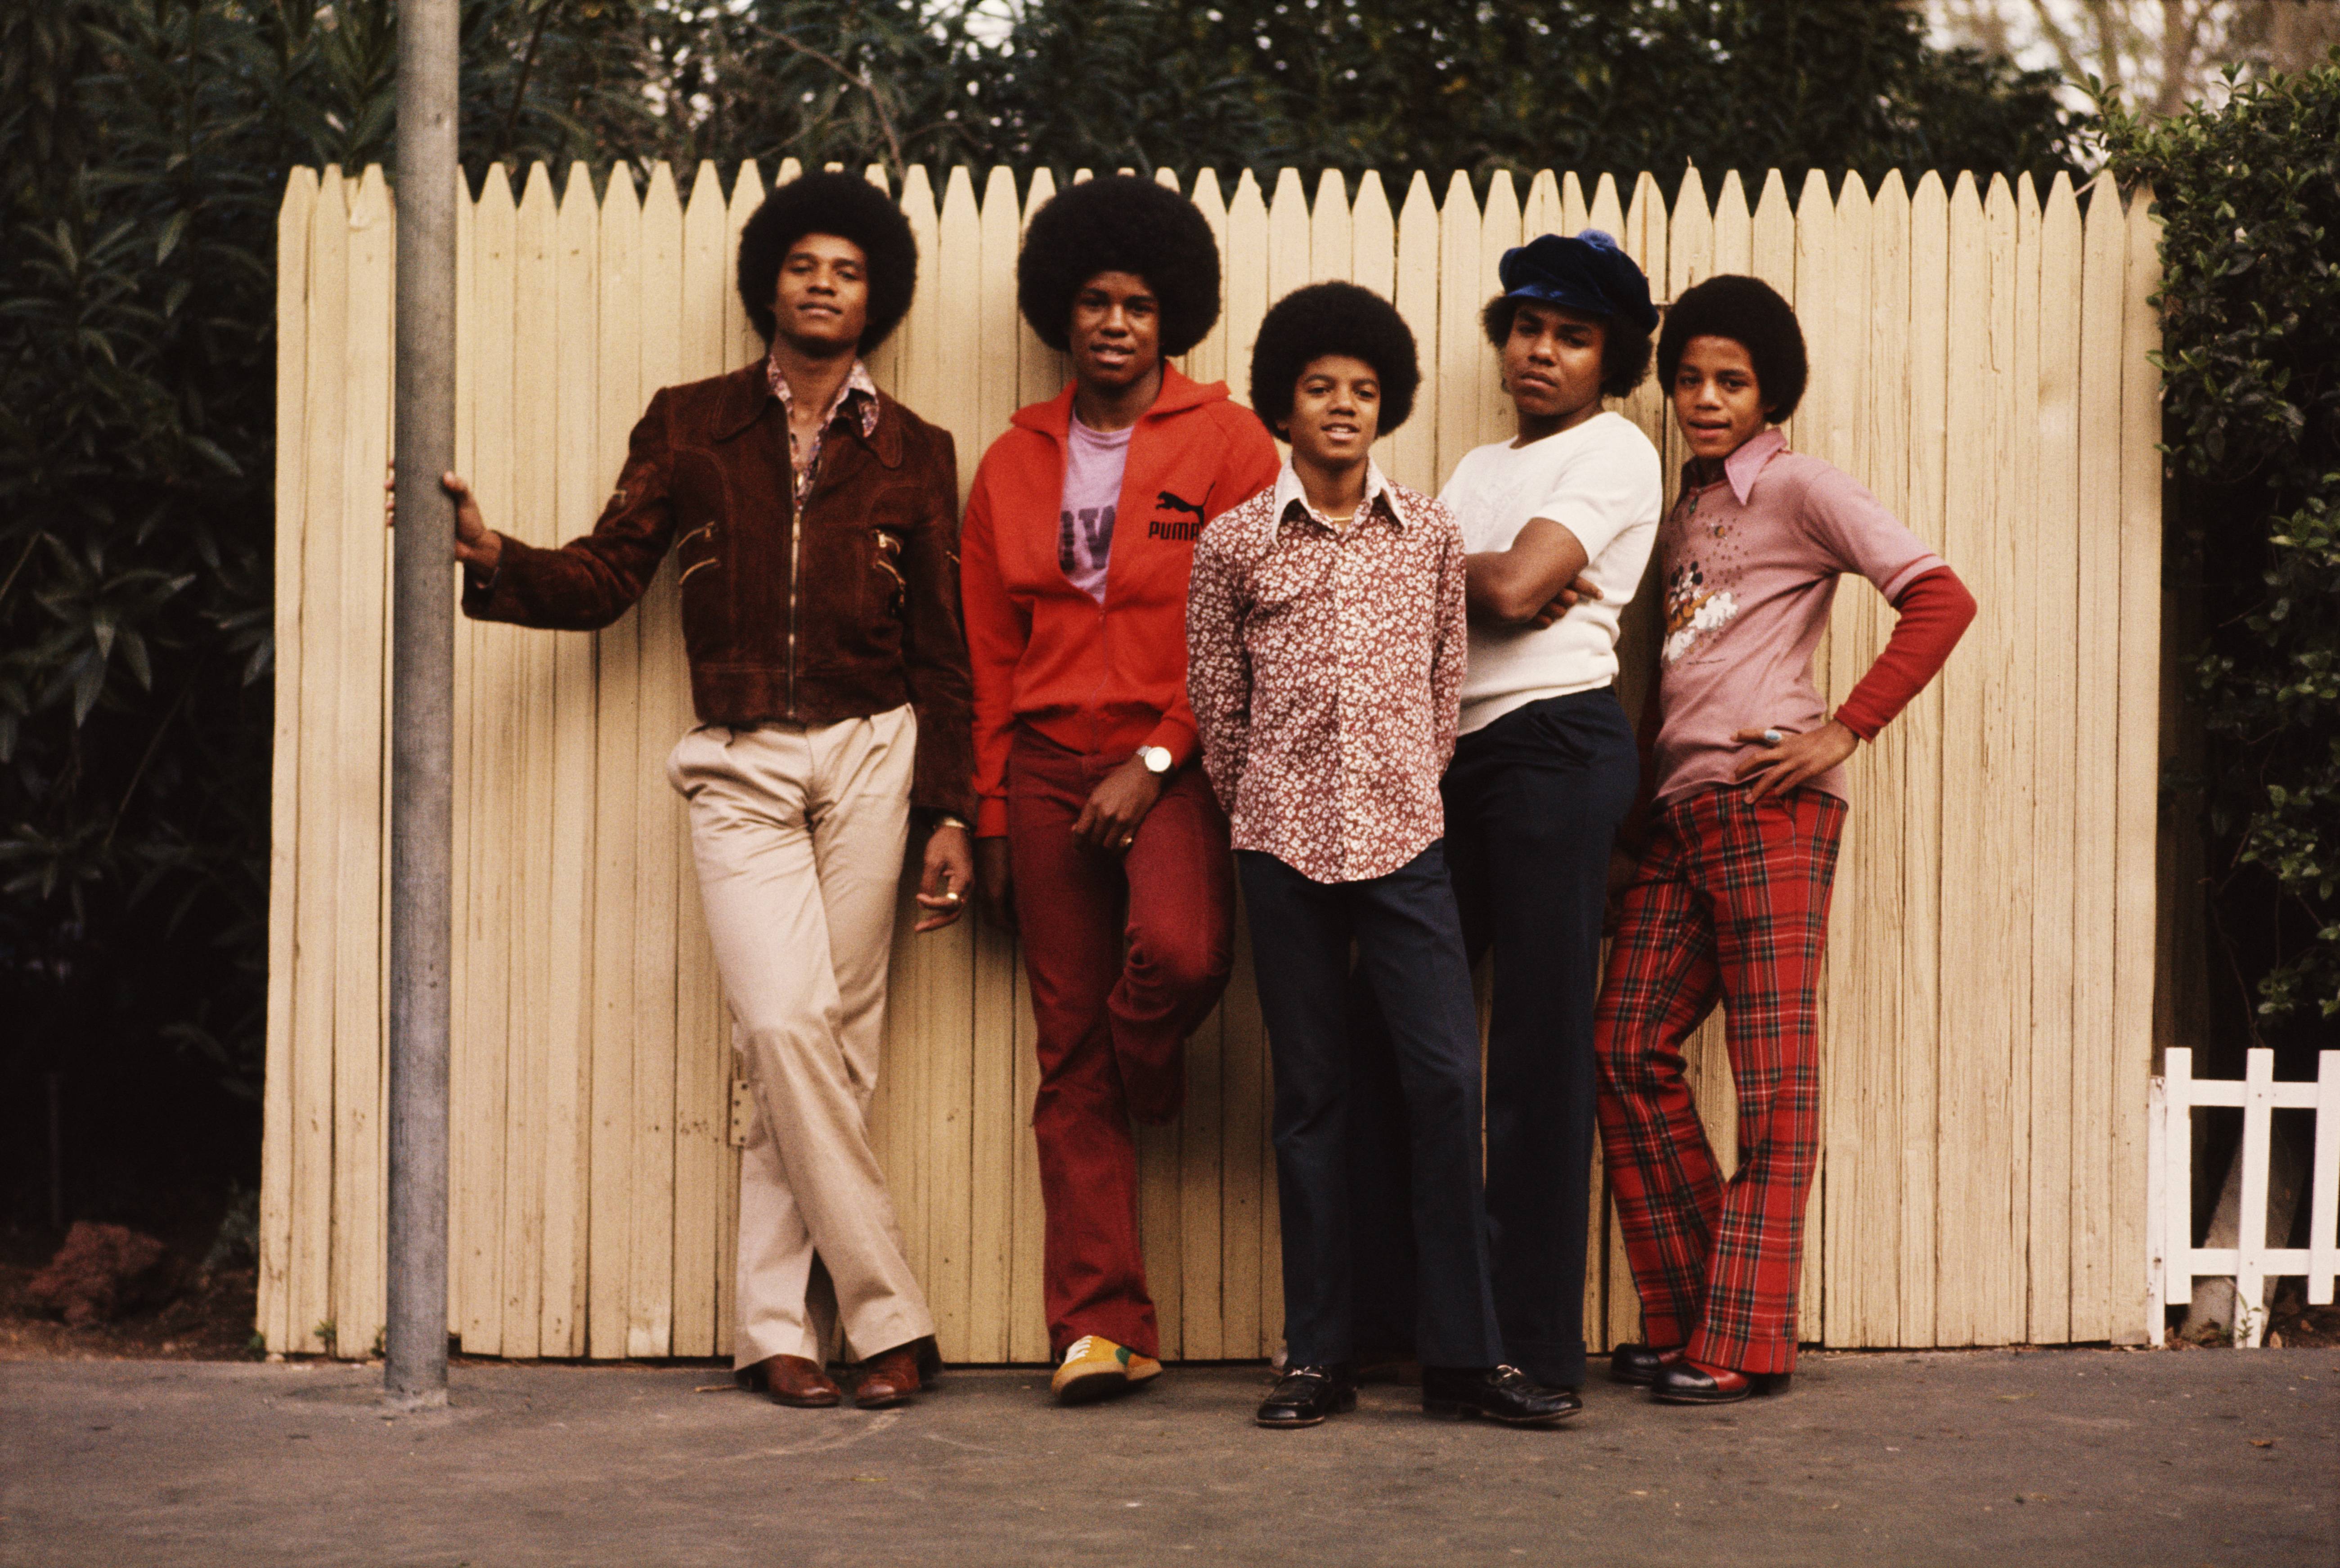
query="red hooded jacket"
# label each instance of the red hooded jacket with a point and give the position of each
(1109, 677)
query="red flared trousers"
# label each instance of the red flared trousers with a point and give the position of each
(1126, 953)
(1729, 906)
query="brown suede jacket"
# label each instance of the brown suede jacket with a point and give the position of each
(854, 613)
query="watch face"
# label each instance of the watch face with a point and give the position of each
(1157, 759)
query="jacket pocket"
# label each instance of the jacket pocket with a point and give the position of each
(889, 588)
(695, 552)
(703, 582)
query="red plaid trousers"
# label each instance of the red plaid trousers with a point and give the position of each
(1730, 904)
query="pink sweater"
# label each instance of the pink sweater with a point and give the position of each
(1750, 564)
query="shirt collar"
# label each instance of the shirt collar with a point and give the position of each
(857, 385)
(1289, 491)
(1741, 466)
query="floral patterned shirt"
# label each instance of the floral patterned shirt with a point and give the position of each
(1324, 664)
(857, 385)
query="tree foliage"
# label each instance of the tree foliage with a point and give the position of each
(1620, 86)
(2250, 195)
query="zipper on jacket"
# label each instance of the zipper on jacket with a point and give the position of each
(796, 556)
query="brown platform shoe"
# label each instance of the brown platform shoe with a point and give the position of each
(888, 1377)
(789, 1380)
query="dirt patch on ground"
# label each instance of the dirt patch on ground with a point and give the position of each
(2295, 1323)
(208, 1316)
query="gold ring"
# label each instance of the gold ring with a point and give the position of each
(953, 895)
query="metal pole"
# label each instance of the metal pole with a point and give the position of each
(422, 697)
(57, 1149)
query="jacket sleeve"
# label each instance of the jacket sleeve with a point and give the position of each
(1250, 465)
(588, 582)
(997, 635)
(1218, 670)
(934, 644)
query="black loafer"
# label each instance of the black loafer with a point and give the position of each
(1680, 1382)
(1638, 1364)
(1305, 1396)
(1503, 1393)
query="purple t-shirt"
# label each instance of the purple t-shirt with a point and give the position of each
(1094, 463)
(1750, 564)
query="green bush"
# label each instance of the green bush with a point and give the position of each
(143, 145)
(2250, 195)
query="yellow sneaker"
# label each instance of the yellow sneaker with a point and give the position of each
(1095, 1367)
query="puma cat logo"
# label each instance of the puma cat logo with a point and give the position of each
(1175, 527)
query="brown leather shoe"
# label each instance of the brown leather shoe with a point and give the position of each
(789, 1380)
(888, 1377)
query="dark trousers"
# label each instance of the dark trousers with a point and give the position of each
(1533, 801)
(1409, 956)
(1126, 953)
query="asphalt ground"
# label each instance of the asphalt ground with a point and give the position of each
(2198, 1457)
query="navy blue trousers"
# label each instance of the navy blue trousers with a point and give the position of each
(1533, 801)
(1409, 957)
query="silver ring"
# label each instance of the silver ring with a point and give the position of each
(1772, 738)
(953, 896)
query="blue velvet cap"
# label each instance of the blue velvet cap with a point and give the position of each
(1587, 273)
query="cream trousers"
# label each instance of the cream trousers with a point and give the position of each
(799, 832)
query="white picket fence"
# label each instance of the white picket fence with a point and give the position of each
(2176, 1262)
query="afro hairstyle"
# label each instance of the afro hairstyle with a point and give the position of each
(1324, 319)
(1750, 313)
(1624, 347)
(845, 205)
(1119, 223)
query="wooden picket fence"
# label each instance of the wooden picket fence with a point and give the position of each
(1978, 358)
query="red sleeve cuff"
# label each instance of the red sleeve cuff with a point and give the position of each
(1935, 611)
(1177, 738)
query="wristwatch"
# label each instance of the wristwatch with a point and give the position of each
(1156, 760)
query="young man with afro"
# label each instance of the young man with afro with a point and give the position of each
(1558, 522)
(1728, 903)
(813, 519)
(1327, 635)
(1095, 835)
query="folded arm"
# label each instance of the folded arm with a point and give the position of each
(1511, 588)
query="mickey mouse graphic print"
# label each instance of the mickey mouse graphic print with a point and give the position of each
(1751, 563)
